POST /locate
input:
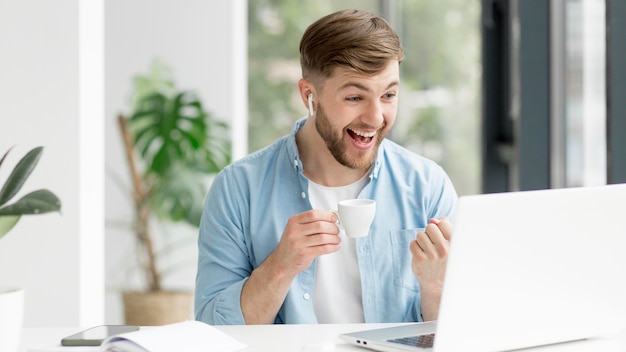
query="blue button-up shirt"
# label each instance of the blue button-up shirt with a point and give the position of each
(247, 209)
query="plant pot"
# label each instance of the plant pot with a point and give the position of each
(11, 317)
(157, 308)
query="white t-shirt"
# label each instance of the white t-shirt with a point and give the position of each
(337, 294)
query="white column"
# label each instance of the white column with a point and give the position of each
(594, 92)
(239, 123)
(91, 162)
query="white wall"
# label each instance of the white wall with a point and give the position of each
(42, 102)
(199, 41)
(51, 85)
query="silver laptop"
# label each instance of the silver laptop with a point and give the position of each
(525, 269)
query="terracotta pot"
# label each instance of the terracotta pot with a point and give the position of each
(157, 308)
(11, 317)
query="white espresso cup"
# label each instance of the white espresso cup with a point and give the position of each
(355, 216)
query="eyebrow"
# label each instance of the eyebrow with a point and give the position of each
(362, 87)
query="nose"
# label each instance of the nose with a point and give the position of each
(375, 114)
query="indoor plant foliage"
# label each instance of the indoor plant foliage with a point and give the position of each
(172, 146)
(36, 202)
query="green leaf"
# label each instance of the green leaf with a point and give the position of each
(179, 195)
(7, 223)
(19, 175)
(37, 202)
(5, 155)
(169, 130)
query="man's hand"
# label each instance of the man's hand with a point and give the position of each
(306, 236)
(430, 254)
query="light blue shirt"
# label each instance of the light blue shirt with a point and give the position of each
(247, 209)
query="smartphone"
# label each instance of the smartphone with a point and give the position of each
(95, 335)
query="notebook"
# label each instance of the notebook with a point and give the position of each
(527, 269)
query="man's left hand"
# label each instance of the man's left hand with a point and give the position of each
(430, 254)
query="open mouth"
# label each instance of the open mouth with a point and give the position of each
(361, 137)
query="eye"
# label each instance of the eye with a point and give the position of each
(389, 95)
(353, 99)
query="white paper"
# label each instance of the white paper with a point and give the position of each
(188, 336)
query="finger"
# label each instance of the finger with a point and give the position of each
(434, 234)
(417, 251)
(320, 227)
(301, 236)
(321, 244)
(316, 251)
(425, 244)
(438, 241)
(316, 215)
(445, 226)
(320, 239)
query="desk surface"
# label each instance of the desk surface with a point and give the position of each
(294, 338)
(259, 338)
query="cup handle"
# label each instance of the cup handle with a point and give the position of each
(338, 222)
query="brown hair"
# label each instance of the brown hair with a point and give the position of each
(351, 39)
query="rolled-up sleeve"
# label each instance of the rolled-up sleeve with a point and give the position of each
(223, 258)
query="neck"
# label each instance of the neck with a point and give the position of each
(319, 165)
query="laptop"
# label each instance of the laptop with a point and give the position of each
(525, 269)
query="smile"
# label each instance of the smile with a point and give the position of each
(361, 139)
(362, 133)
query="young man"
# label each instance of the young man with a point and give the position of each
(269, 247)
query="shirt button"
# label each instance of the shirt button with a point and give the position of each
(306, 296)
(303, 195)
(295, 163)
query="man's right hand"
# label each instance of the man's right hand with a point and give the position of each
(306, 236)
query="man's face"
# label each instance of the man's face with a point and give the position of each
(356, 112)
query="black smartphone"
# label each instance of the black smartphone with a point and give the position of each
(95, 335)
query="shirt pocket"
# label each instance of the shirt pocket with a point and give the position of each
(402, 274)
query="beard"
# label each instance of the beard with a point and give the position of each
(337, 141)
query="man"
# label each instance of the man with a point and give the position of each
(269, 247)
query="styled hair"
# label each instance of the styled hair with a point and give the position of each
(351, 39)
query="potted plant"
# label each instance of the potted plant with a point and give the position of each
(172, 145)
(34, 203)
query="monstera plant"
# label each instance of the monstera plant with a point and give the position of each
(36, 202)
(172, 144)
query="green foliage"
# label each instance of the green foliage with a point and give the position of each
(36, 202)
(179, 143)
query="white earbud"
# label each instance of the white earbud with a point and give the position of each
(311, 112)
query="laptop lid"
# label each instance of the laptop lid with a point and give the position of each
(533, 268)
(528, 269)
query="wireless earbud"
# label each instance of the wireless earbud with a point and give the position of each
(311, 112)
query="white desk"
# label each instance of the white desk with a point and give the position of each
(298, 338)
(259, 338)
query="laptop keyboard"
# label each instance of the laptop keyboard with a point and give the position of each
(423, 341)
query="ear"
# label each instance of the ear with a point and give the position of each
(307, 94)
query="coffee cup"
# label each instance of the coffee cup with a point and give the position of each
(355, 216)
